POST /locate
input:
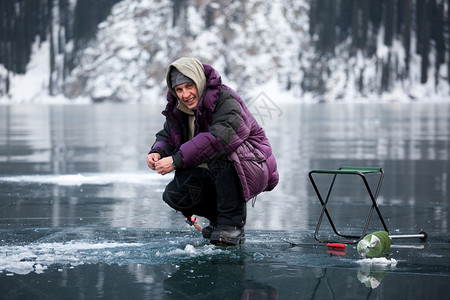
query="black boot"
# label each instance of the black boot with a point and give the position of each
(207, 231)
(228, 235)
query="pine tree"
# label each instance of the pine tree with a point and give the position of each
(328, 35)
(355, 25)
(405, 30)
(51, 58)
(448, 41)
(389, 10)
(424, 40)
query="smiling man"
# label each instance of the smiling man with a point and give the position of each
(221, 156)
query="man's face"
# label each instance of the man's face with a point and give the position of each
(188, 94)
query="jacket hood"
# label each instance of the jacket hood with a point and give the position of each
(192, 68)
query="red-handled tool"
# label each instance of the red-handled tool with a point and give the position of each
(336, 245)
(329, 245)
(193, 222)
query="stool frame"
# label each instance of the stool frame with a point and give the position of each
(358, 171)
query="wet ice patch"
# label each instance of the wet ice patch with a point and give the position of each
(191, 251)
(36, 258)
(89, 178)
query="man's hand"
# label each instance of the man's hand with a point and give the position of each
(164, 165)
(152, 158)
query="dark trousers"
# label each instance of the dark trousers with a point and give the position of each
(215, 193)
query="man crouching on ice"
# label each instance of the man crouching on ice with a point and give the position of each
(221, 156)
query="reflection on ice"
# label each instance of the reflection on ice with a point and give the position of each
(88, 178)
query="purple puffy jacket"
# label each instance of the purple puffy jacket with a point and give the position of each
(223, 124)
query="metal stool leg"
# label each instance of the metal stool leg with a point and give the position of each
(374, 202)
(349, 171)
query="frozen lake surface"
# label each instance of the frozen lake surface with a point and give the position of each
(81, 215)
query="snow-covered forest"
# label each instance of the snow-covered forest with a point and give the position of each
(310, 50)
